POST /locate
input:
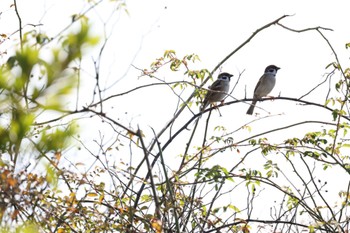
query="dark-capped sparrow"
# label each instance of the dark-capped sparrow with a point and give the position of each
(265, 85)
(218, 90)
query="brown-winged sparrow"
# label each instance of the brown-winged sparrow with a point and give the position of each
(265, 85)
(218, 90)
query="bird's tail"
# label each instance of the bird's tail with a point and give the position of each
(251, 108)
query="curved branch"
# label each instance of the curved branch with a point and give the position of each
(217, 66)
(248, 40)
(303, 30)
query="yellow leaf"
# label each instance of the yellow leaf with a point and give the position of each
(11, 181)
(72, 198)
(100, 199)
(92, 194)
(58, 155)
(157, 225)
(130, 135)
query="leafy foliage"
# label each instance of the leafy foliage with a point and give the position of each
(31, 86)
(219, 175)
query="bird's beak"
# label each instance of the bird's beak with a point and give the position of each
(278, 68)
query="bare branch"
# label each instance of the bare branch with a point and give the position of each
(305, 29)
(20, 24)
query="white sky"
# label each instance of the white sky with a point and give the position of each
(211, 29)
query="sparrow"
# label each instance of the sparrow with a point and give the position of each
(218, 90)
(264, 86)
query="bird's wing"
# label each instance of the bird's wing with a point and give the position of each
(258, 84)
(216, 86)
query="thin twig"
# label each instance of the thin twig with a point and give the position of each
(20, 24)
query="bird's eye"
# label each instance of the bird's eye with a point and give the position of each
(271, 71)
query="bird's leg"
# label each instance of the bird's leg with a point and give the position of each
(215, 106)
(219, 112)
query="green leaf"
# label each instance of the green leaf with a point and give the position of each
(311, 229)
(169, 53)
(28, 227)
(174, 66)
(51, 175)
(335, 114)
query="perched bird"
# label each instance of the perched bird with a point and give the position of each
(265, 85)
(218, 90)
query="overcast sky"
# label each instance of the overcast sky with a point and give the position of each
(210, 29)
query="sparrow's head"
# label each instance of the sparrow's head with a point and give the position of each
(225, 76)
(271, 69)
